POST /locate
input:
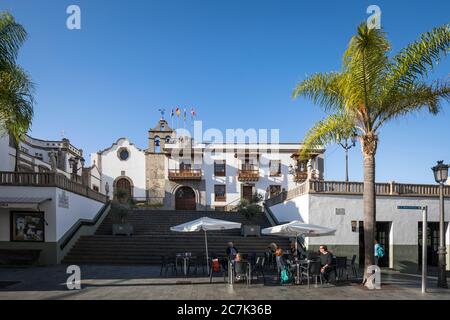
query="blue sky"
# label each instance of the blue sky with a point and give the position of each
(235, 61)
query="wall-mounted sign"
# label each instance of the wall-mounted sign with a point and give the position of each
(340, 211)
(63, 200)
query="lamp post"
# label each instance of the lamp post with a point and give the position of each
(346, 145)
(441, 175)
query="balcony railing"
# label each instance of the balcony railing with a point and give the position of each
(300, 176)
(248, 173)
(220, 198)
(357, 188)
(48, 179)
(185, 174)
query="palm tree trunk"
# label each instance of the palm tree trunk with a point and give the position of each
(369, 146)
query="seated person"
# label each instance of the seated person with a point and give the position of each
(294, 250)
(232, 251)
(281, 263)
(326, 260)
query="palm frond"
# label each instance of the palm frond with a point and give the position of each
(330, 130)
(414, 97)
(16, 100)
(12, 36)
(365, 62)
(323, 89)
(418, 58)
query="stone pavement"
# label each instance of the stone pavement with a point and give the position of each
(144, 282)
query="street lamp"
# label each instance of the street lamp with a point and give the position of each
(441, 175)
(347, 145)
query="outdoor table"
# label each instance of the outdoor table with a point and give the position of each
(185, 258)
(298, 264)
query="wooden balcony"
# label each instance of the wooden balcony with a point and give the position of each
(185, 174)
(248, 173)
(300, 176)
(218, 198)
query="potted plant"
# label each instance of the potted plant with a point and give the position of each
(120, 207)
(250, 209)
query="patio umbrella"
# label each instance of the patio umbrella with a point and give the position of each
(297, 228)
(206, 224)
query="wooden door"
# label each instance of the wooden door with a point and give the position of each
(185, 199)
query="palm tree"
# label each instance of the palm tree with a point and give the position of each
(371, 89)
(16, 88)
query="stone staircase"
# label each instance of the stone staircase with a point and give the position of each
(153, 238)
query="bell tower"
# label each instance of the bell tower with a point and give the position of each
(156, 161)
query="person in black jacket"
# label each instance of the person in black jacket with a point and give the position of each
(326, 259)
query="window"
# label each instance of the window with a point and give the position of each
(123, 154)
(220, 193)
(220, 168)
(275, 168)
(274, 190)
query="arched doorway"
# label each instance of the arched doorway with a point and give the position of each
(124, 185)
(185, 199)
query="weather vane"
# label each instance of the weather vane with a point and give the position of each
(162, 113)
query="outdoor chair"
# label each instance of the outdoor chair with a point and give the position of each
(352, 266)
(166, 263)
(221, 270)
(244, 256)
(341, 267)
(252, 258)
(270, 260)
(258, 268)
(197, 262)
(312, 270)
(242, 269)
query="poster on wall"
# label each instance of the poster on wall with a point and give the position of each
(27, 226)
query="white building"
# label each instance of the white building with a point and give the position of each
(180, 173)
(53, 199)
(45, 201)
(339, 205)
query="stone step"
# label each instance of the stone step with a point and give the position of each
(153, 238)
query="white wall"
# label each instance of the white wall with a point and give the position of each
(404, 222)
(79, 208)
(295, 209)
(112, 166)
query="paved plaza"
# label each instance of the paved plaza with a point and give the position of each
(144, 282)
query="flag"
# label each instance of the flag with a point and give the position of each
(184, 114)
(172, 113)
(178, 111)
(193, 112)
